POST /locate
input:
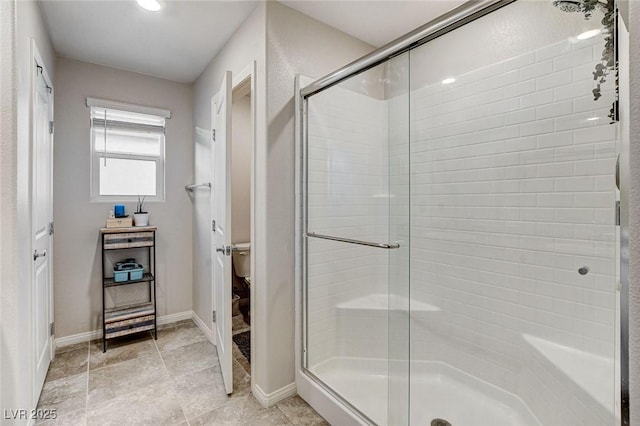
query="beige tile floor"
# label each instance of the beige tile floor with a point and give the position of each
(174, 380)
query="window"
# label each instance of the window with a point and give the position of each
(127, 153)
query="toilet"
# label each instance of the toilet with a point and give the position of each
(242, 281)
(242, 261)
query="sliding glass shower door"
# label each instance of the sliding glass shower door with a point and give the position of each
(459, 226)
(357, 278)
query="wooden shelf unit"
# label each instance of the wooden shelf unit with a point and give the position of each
(138, 317)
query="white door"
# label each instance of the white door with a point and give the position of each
(42, 225)
(221, 239)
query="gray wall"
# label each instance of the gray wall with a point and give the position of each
(296, 44)
(245, 46)
(241, 170)
(293, 43)
(77, 266)
(20, 22)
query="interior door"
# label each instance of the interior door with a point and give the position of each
(42, 225)
(221, 240)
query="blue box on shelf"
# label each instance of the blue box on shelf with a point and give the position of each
(136, 274)
(120, 276)
(127, 271)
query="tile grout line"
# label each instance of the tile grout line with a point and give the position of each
(171, 381)
(285, 415)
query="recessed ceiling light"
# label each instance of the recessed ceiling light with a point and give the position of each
(448, 80)
(588, 34)
(151, 5)
(593, 118)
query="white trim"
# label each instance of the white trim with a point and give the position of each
(123, 106)
(78, 338)
(298, 154)
(269, 399)
(248, 77)
(211, 335)
(180, 316)
(97, 334)
(94, 170)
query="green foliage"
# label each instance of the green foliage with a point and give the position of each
(608, 62)
(140, 204)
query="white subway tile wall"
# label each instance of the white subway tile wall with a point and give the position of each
(512, 190)
(503, 188)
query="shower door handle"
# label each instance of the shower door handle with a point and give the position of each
(352, 241)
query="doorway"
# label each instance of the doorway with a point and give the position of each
(232, 208)
(241, 229)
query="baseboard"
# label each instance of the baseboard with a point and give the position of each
(180, 316)
(269, 399)
(97, 334)
(78, 338)
(203, 327)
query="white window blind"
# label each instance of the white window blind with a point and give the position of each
(127, 154)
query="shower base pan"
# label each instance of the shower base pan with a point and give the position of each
(438, 391)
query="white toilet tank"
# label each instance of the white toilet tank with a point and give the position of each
(242, 259)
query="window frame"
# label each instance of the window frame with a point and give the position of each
(96, 156)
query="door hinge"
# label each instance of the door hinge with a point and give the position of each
(617, 212)
(213, 135)
(52, 328)
(51, 228)
(213, 225)
(213, 316)
(51, 127)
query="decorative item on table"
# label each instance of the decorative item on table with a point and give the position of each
(118, 218)
(141, 217)
(119, 210)
(119, 222)
(127, 270)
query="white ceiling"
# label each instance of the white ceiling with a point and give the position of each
(375, 22)
(178, 42)
(175, 43)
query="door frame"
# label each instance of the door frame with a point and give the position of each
(248, 73)
(35, 62)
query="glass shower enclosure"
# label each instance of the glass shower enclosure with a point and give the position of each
(458, 223)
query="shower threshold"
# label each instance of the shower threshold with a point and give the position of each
(438, 391)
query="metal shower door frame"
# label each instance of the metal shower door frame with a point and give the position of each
(462, 15)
